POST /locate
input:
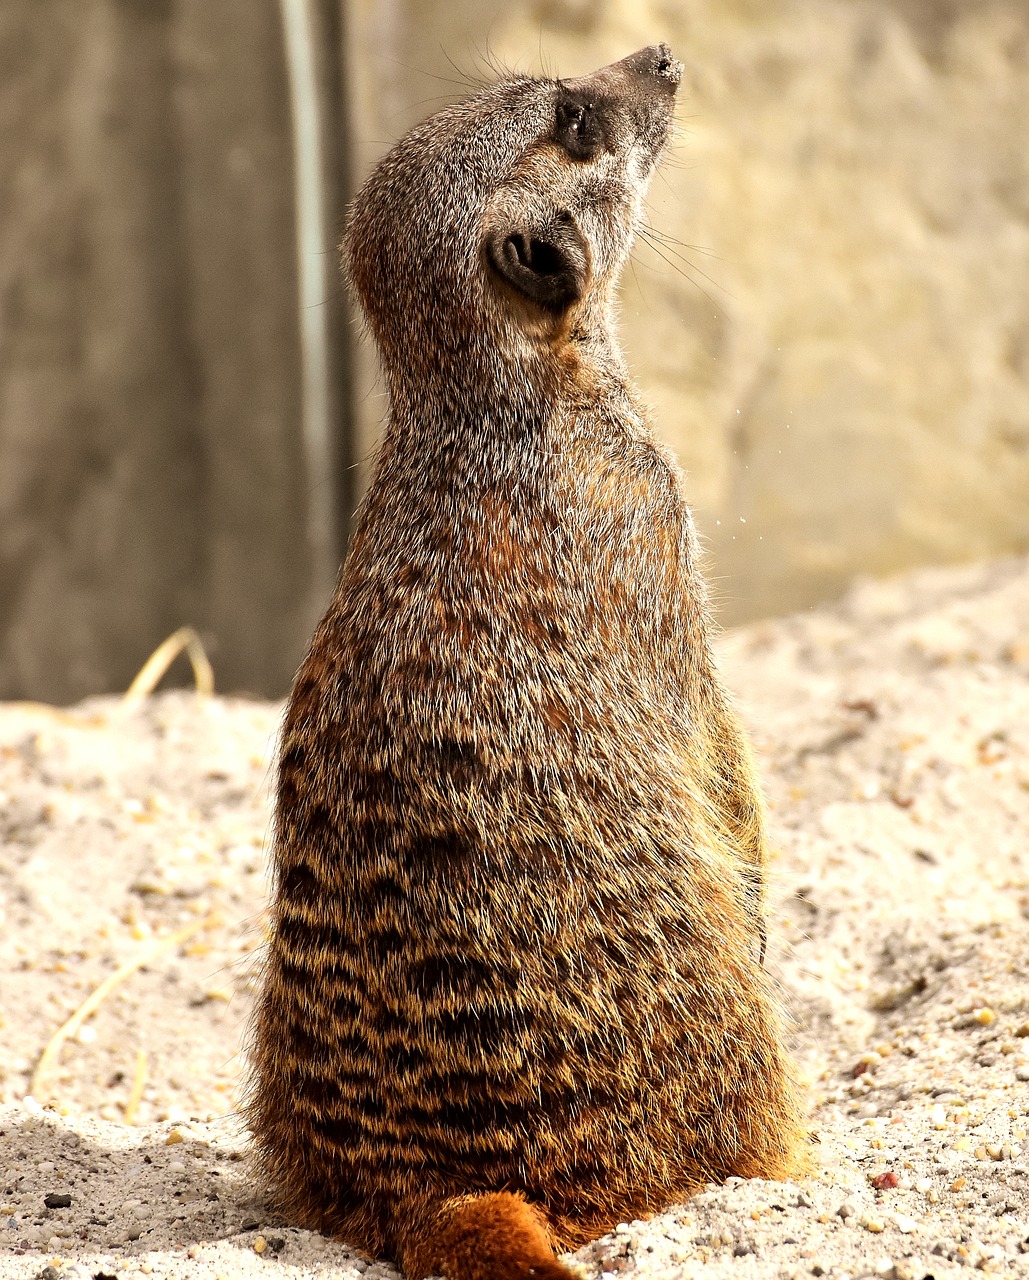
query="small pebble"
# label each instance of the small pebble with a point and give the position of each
(985, 1017)
(260, 1244)
(874, 1224)
(57, 1200)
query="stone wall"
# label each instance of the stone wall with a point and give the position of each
(151, 462)
(831, 316)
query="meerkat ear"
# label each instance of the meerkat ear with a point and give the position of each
(547, 264)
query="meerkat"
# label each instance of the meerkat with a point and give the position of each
(514, 991)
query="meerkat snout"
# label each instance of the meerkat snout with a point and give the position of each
(620, 106)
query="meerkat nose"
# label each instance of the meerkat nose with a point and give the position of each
(657, 61)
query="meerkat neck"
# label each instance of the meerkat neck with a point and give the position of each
(478, 418)
(493, 403)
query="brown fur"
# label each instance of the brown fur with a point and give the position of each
(519, 846)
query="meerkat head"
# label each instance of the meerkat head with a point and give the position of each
(502, 222)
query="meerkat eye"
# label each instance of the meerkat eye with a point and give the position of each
(577, 129)
(572, 116)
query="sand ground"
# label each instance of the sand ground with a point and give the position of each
(893, 731)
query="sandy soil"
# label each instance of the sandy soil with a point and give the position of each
(894, 734)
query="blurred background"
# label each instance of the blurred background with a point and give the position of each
(830, 317)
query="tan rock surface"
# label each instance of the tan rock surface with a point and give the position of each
(894, 733)
(831, 320)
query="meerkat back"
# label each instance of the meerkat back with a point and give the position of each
(514, 991)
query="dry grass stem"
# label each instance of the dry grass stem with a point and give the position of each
(155, 667)
(95, 999)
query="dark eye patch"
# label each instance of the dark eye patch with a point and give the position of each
(578, 126)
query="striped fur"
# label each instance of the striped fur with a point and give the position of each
(513, 993)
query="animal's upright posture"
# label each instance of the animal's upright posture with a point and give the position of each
(514, 992)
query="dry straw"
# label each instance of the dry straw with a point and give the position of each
(155, 667)
(150, 675)
(95, 999)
